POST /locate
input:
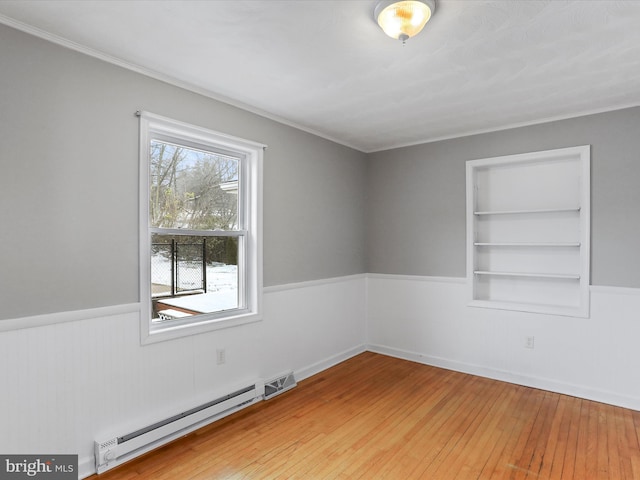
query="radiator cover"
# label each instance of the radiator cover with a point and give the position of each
(115, 450)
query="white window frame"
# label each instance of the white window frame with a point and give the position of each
(250, 211)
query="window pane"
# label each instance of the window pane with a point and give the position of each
(191, 275)
(192, 189)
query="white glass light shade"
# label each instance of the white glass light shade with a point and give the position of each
(404, 19)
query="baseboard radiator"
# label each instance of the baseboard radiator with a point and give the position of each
(116, 450)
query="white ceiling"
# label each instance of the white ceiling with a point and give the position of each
(326, 67)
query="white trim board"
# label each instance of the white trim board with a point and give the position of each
(614, 290)
(417, 278)
(610, 289)
(53, 318)
(312, 283)
(70, 316)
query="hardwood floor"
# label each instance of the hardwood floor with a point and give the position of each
(375, 417)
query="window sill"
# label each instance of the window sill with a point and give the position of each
(160, 331)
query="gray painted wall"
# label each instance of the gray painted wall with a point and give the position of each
(416, 196)
(69, 182)
(69, 186)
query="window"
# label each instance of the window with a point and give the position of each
(200, 229)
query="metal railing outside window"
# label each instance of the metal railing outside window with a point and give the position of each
(178, 268)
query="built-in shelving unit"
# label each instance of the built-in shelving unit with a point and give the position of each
(528, 219)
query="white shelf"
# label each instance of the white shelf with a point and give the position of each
(566, 276)
(521, 212)
(527, 244)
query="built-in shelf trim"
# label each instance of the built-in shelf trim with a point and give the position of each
(527, 244)
(567, 276)
(520, 212)
(553, 309)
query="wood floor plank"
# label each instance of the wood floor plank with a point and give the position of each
(634, 441)
(571, 449)
(603, 444)
(469, 461)
(593, 441)
(530, 463)
(580, 464)
(613, 452)
(624, 444)
(496, 463)
(524, 418)
(554, 447)
(463, 448)
(374, 416)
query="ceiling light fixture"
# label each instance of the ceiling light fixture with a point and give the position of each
(403, 19)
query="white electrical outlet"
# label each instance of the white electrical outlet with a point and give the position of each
(221, 356)
(529, 342)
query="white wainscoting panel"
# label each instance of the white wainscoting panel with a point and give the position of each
(68, 383)
(428, 320)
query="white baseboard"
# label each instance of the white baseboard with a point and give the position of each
(318, 367)
(86, 467)
(504, 376)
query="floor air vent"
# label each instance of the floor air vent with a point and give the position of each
(114, 450)
(279, 385)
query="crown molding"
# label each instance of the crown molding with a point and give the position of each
(105, 57)
(69, 44)
(509, 126)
